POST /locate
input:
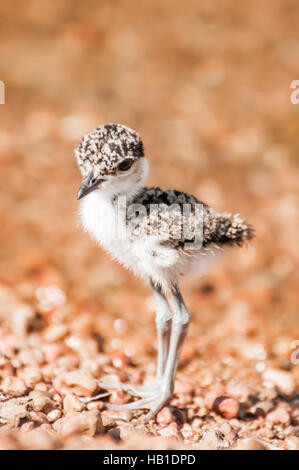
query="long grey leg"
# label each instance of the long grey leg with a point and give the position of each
(180, 322)
(163, 324)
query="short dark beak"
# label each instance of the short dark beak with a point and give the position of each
(89, 184)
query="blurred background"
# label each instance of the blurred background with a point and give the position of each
(207, 85)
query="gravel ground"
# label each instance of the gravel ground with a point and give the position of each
(210, 94)
(232, 390)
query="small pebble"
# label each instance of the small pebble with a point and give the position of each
(213, 440)
(41, 400)
(108, 420)
(292, 442)
(120, 360)
(250, 444)
(55, 333)
(124, 415)
(13, 386)
(265, 406)
(41, 387)
(187, 432)
(39, 417)
(130, 431)
(72, 403)
(54, 415)
(283, 380)
(212, 395)
(278, 416)
(81, 381)
(95, 405)
(88, 422)
(51, 351)
(228, 407)
(197, 424)
(117, 397)
(165, 416)
(170, 431)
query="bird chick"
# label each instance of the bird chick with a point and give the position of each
(161, 235)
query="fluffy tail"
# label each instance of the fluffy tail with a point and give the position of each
(238, 231)
(226, 229)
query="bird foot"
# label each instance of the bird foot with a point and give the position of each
(135, 391)
(152, 399)
(154, 402)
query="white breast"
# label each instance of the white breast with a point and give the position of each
(105, 222)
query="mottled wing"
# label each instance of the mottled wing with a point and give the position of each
(180, 220)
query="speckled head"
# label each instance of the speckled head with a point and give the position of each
(106, 152)
(103, 149)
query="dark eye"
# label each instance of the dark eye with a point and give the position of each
(125, 165)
